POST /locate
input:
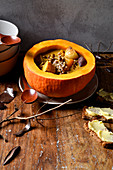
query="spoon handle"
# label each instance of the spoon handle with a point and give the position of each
(25, 83)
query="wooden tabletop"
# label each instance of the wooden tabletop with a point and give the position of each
(61, 143)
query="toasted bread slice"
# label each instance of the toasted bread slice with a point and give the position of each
(91, 113)
(105, 144)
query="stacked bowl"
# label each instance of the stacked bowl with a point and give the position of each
(8, 54)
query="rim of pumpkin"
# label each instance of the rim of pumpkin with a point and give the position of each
(45, 46)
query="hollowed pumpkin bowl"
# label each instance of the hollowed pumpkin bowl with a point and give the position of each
(54, 85)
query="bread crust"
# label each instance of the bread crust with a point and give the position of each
(108, 145)
(86, 116)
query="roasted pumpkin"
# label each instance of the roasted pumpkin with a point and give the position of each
(54, 85)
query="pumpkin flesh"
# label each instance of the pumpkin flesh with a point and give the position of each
(54, 85)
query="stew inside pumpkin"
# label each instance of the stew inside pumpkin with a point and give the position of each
(60, 61)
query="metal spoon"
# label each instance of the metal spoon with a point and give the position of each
(29, 95)
(9, 40)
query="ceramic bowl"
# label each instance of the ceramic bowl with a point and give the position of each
(7, 28)
(8, 53)
(7, 65)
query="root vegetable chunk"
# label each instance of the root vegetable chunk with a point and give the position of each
(49, 67)
(70, 53)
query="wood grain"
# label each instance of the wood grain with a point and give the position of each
(60, 144)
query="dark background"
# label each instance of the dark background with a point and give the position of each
(79, 21)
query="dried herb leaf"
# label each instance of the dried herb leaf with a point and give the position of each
(7, 96)
(12, 154)
(24, 130)
(1, 137)
(2, 106)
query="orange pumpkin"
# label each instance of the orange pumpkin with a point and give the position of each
(54, 85)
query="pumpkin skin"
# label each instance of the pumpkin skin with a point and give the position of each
(54, 85)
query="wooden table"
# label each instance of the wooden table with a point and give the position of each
(61, 143)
